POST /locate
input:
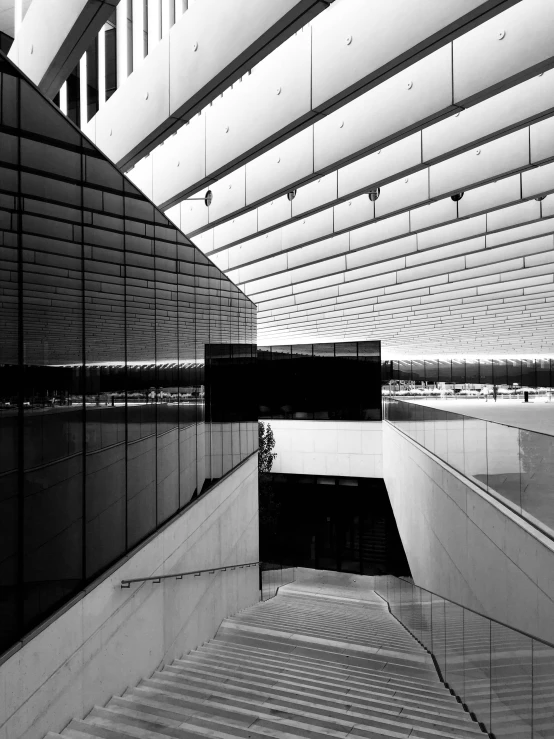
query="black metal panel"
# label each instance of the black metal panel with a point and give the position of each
(339, 381)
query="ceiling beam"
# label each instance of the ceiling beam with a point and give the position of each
(413, 74)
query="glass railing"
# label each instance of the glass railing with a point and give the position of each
(272, 576)
(512, 464)
(502, 676)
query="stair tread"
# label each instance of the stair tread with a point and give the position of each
(296, 686)
(301, 665)
(218, 646)
(251, 704)
(334, 704)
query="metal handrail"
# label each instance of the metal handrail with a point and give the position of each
(180, 575)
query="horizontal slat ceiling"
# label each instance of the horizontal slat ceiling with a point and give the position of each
(425, 273)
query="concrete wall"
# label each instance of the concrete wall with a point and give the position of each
(345, 448)
(465, 545)
(110, 638)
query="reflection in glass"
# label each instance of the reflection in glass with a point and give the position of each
(502, 676)
(543, 694)
(454, 647)
(107, 317)
(511, 682)
(514, 372)
(515, 464)
(477, 657)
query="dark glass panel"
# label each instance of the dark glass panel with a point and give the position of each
(431, 370)
(111, 62)
(92, 79)
(347, 349)
(9, 148)
(167, 353)
(39, 116)
(500, 374)
(9, 108)
(74, 96)
(405, 369)
(105, 413)
(528, 373)
(543, 373)
(485, 371)
(513, 370)
(321, 350)
(301, 350)
(467, 370)
(52, 475)
(5, 42)
(10, 399)
(418, 370)
(143, 394)
(51, 159)
(369, 349)
(280, 352)
(445, 371)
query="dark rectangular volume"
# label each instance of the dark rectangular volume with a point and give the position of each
(340, 381)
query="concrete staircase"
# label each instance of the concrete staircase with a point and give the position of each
(312, 662)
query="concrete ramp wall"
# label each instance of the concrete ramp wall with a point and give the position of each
(463, 544)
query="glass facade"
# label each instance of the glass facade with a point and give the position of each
(321, 381)
(109, 317)
(523, 372)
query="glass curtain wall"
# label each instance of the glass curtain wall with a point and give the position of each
(106, 313)
(523, 372)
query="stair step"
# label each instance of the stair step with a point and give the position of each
(341, 654)
(227, 676)
(318, 663)
(218, 726)
(414, 659)
(253, 703)
(332, 677)
(305, 666)
(346, 632)
(334, 705)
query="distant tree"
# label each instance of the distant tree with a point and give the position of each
(269, 506)
(266, 455)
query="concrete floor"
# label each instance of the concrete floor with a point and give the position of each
(537, 415)
(334, 585)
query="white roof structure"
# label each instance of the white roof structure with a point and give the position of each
(380, 170)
